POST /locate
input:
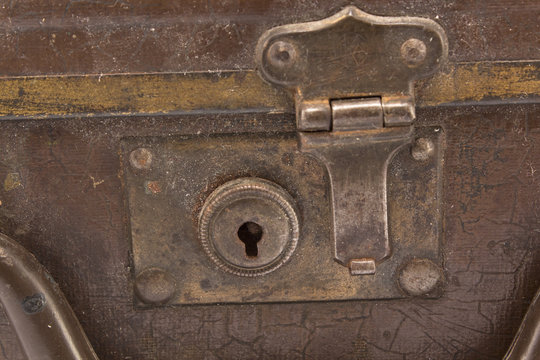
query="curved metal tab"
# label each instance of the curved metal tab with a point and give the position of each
(357, 169)
(351, 54)
(46, 326)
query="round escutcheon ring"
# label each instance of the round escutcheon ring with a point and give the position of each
(239, 206)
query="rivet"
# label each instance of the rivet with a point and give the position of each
(282, 54)
(155, 286)
(422, 149)
(141, 159)
(419, 277)
(413, 52)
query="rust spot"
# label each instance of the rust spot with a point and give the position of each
(152, 187)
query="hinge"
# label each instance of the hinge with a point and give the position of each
(355, 114)
(352, 76)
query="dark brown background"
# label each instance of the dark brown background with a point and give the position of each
(78, 230)
(113, 36)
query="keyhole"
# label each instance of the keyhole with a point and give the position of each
(250, 234)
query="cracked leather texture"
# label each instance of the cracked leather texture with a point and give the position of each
(69, 211)
(69, 207)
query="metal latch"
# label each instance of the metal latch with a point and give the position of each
(352, 75)
(360, 139)
(245, 217)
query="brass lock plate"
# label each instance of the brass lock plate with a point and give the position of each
(168, 181)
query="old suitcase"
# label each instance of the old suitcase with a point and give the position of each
(269, 179)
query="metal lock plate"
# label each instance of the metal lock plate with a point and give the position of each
(348, 208)
(166, 196)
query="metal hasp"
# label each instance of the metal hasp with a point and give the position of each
(352, 76)
(46, 326)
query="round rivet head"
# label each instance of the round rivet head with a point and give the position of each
(154, 286)
(281, 54)
(249, 227)
(419, 277)
(141, 159)
(422, 149)
(413, 52)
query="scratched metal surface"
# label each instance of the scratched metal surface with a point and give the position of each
(61, 192)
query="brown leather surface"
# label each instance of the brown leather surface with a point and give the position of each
(76, 226)
(62, 36)
(69, 208)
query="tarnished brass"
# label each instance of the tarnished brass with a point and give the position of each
(249, 227)
(363, 66)
(99, 95)
(86, 82)
(350, 54)
(237, 191)
(165, 224)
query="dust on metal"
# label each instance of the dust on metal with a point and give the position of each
(362, 266)
(282, 54)
(420, 276)
(155, 286)
(165, 228)
(355, 108)
(38, 97)
(335, 59)
(141, 159)
(422, 149)
(413, 52)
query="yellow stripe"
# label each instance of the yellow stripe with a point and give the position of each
(136, 94)
(477, 82)
(126, 94)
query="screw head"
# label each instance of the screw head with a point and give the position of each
(413, 52)
(419, 277)
(154, 286)
(141, 158)
(249, 227)
(282, 54)
(422, 149)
